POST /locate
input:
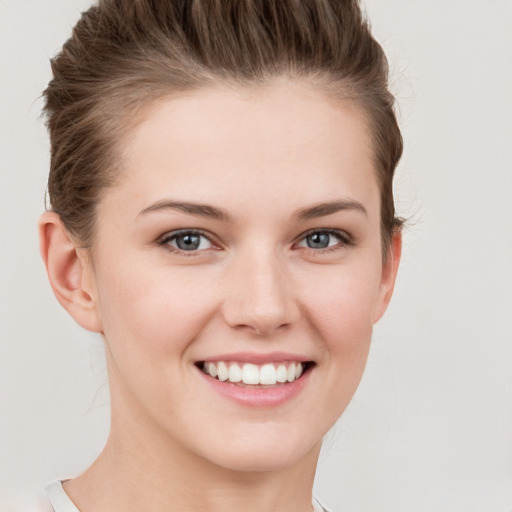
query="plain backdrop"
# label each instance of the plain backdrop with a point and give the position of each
(430, 428)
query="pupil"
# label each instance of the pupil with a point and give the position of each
(188, 242)
(318, 240)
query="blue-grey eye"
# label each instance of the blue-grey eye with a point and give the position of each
(320, 240)
(188, 241)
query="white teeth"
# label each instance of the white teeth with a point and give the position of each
(290, 374)
(222, 371)
(250, 374)
(267, 374)
(281, 373)
(212, 370)
(235, 374)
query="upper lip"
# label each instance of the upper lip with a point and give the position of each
(257, 358)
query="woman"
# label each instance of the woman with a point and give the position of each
(222, 215)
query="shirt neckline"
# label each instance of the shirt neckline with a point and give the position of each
(58, 498)
(61, 502)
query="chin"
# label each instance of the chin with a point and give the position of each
(258, 462)
(265, 450)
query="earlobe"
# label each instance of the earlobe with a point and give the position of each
(389, 272)
(66, 267)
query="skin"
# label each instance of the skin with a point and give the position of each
(261, 154)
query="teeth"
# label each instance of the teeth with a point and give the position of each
(212, 370)
(267, 374)
(281, 373)
(222, 371)
(290, 374)
(235, 373)
(250, 374)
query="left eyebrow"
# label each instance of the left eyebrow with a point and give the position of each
(328, 208)
(201, 210)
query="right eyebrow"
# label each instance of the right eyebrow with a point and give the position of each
(201, 210)
(329, 208)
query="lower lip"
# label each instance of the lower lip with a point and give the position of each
(257, 396)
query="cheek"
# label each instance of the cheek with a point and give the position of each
(341, 316)
(150, 312)
(342, 311)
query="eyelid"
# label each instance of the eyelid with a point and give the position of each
(164, 239)
(346, 239)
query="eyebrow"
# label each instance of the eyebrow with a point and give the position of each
(205, 210)
(329, 208)
(202, 210)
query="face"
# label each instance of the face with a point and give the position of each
(241, 242)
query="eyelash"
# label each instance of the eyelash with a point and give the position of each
(169, 237)
(345, 240)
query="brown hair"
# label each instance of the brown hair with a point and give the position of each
(125, 54)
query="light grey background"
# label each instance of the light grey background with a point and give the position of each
(430, 428)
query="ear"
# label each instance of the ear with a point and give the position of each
(388, 278)
(69, 271)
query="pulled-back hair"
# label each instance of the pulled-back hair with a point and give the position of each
(125, 54)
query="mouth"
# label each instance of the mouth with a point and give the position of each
(256, 375)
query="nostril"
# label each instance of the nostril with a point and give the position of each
(260, 299)
(262, 329)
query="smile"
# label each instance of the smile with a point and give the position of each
(268, 374)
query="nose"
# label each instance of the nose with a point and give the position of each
(261, 298)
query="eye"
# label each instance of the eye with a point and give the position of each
(324, 240)
(186, 241)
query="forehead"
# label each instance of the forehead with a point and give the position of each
(223, 144)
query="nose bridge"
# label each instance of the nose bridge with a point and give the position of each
(261, 295)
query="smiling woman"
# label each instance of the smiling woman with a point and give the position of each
(222, 214)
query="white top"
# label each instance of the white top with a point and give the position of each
(61, 503)
(58, 498)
